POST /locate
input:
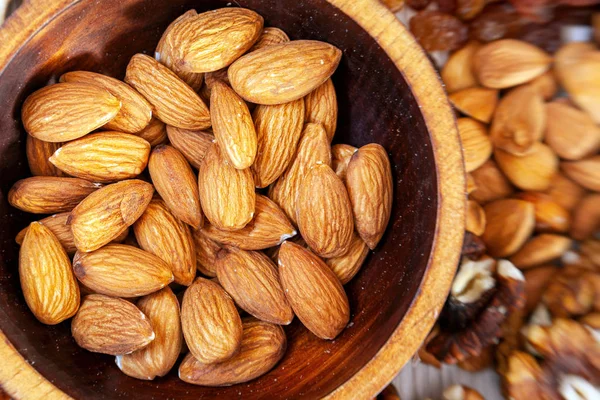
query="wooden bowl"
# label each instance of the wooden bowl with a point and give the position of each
(387, 93)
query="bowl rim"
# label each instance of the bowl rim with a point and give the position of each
(20, 380)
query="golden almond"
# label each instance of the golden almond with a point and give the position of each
(540, 250)
(192, 144)
(210, 79)
(586, 217)
(278, 130)
(154, 133)
(314, 292)
(211, 324)
(571, 133)
(273, 252)
(475, 218)
(135, 112)
(206, 253)
(549, 216)
(103, 157)
(111, 326)
(536, 280)
(340, 157)
(175, 181)
(49, 194)
(533, 171)
(321, 107)
(47, 280)
(346, 266)
(38, 152)
(158, 231)
(251, 278)
(476, 144)
(475, 102)
(457, 73)
(269, 37)
(585, 172)
(263, 345)
(173, 101)
(490, 183)
(106, 213)
(67, 111)
(285, 72)
(509, 223)
(370, 188)
(565, 192)
(509, 62)
(156, 359)
(545, 85)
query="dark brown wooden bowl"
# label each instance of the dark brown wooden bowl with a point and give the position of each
(387, 92)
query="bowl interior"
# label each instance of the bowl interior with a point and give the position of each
(375, 104)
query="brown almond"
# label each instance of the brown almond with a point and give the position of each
(156, 359)
(571, 133)
(47, 280)
(585, 172)
(210, 79)
(540, 250)
(226, 193)
(549, 216)
(251, 278)
(154, 133)
(591, 249)
(176, 183)
(67, 111)
(586, 217)
(106, 213)
(269, 37)
(206, 253)
(509, 223)
(457, 73)
(471, 184)
(564, 191)
(490, 183)
(476, 144)
(135, 112)
(321, 107)
(346, 266)
(38, 152)
(111, 326)
(103, 157)
(285, 72)
(273, 252)
(536, 280)
(545, 85)
(278, 130)
(263, 345)
(340, 158)
(182, 107)
(314, 292)
(49, 194)
(211, 324)
(533, 171)
(475, 218)
(475, 102)
(158, 231)
(370, 188)
(192, 144)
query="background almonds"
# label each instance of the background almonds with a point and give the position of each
(345, 267)
(476, 102)
(571, 133)
(549, 216)
(475, 218)
(38, 153)
(192, 144)
(585, 172)
(111, 326)
(206, 253)
(509, 223)
(476, 144)
(154, 133)
(340, 157)
(564, 191)
(321, 107)
(490, 183)
(545, 85)
(269, 37)
(457, 73)
(540, 249)
(533, 171)
(586, 217)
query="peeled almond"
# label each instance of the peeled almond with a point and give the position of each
(545, 85)
(476, 144)
(457, 74)
(490, 183)
(509, 223)
(471, 185)
(532, 171)
(549, 216)
(476, 102)
(541, 249)
(475, 218)
(586, 217)
(571, 133)
(565, 192)
(586, 172)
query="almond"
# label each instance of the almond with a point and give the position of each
(226, 193)
(457, 73)
(38, 153)
(263, 345)
(540, 249)
(104, 215)
(509, 223)
(585, 172)
(586, 217)
(111, 326)
(490, 183)
(321, 107)
(394, 6)
(67, 111)
(571, 133)
(273, 252)
(314, 292)
(340, 158)
(536, 280)
(192, 144)
(285, 72)
(154, 133)
(278, 130)
(591, 249)
(48, 194)
(313, 149)
(269, 227)
(135, 112)
(508, 62)
(549, 216)
(251, 278)
(269, 37)
(103, 157)
(211, 324)
(545, 85)
(47, 280)
(476, 144)
(121, 271)
(173, 101)
(471, 184)
(157, 231)
(346, 266)
(206, 253)
(370, 187)
(475, 218)
(176, 183)
(533, 171)
(156, 359)
(476, 102)
(564, 191)
(232, 125)
(210, 79)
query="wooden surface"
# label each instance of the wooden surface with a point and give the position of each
(413, 196)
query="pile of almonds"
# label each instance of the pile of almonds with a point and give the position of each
(91, 139)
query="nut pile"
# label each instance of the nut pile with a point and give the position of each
(130, 243)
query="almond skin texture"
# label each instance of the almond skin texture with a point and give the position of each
(345, 267)
(571, 133)
(158, 231)
(232, 125)
(211, 324)
(314, 292)
(278, 130)
(103, 157)
(226, 193)
(182, 108)
(269, 37)
(369, 184)
(490, 183)
(585, 172)
(313, 148)
(48, 194)
(321, 107)
(135, 112)
(206, 253)
(192, 144)
(251, 278)
(478, 103)
(533, 171)
(111, 326)
(156, 359)
(67, 111)
(340, 158)
(47, 280)
(38, 153)
(176, 183)
(476, 144)
(285, 72)
(121, 271)
(154, 133)
(105, 214)
(509, 223)
(263, 345)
